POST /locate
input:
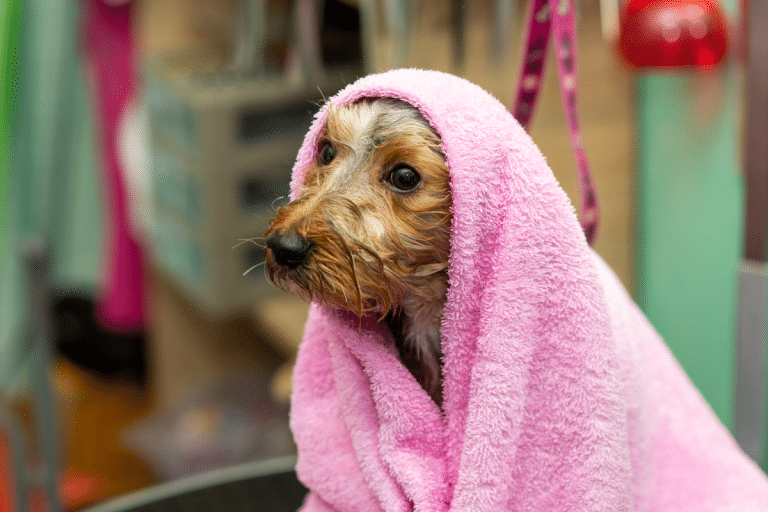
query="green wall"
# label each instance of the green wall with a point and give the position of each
(690, 214)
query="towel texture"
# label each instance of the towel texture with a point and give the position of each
(558, 395)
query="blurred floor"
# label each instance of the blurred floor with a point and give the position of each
(7, 477)
(93, 411)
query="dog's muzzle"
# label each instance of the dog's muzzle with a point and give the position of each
(289, 249)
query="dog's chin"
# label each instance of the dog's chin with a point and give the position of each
(286, 280)
(311, 286)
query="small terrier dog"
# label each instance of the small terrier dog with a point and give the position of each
(370, 229)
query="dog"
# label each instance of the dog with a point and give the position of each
(370, 229)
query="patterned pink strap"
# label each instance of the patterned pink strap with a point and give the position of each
(541, 21)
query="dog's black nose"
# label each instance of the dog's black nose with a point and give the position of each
(288, 248)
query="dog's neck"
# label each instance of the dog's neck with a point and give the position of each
(416, 329)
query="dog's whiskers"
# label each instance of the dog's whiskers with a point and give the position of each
(251, 240)
(272, 204)
(255, 266)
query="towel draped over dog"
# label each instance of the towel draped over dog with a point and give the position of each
(558, 394)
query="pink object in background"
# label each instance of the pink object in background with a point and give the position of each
(109, 47)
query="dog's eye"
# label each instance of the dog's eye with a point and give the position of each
(326, 153)
(404, 178)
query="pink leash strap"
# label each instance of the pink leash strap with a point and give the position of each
(541, 21)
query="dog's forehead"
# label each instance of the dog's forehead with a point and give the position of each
(353, 124)
(352, 132)
(366, 136)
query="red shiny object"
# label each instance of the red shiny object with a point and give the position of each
(669, 33)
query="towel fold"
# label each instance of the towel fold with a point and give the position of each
(558, 395)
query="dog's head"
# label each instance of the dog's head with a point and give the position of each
(371, 223)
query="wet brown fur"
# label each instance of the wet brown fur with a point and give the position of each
(376, 250)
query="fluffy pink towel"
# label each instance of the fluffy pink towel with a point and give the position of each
(558, 393)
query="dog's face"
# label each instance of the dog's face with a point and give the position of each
(370, 228)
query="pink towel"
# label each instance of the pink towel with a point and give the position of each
(558, 393)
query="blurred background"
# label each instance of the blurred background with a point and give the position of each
(145, 144)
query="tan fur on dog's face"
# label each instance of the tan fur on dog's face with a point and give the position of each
(375, 249)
